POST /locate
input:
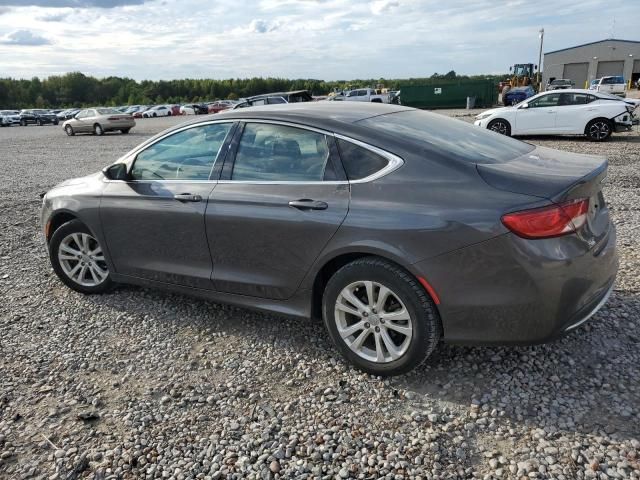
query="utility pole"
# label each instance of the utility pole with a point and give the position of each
(541, 36)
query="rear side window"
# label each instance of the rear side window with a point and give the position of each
(359, 162)
(270, 152)
(449, 137)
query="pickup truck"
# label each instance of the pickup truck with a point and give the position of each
(366, 95)
(614, 85)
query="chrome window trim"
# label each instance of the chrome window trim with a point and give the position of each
(394, 161)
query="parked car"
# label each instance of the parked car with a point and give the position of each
(516, 95)
(37, 117)
(67, 114)
(275, 99)
(157, 111)
(98, 121)
(175, 109)
(569, 112)
(133, 109)
(9, 118)
(560, 84)
(140, 111)
(395, 225)
(594, 83)
(219, 106)
(194, 109)
(614, 85)
(366, 95)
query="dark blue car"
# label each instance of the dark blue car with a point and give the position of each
(518, 94)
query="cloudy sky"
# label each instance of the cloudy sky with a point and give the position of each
(324, 39)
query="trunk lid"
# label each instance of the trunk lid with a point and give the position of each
(556, 176)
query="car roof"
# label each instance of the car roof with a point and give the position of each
(323, 115)
(277, 94)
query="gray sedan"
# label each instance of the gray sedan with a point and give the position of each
(98, 121)
(396, 226)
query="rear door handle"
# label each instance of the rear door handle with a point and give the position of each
(187, 197)
(308, 204)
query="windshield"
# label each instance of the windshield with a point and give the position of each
(451, 137)
(107, 111)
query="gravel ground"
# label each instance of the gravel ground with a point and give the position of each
(144, 384)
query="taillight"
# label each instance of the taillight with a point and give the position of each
(545, 222)
(112, 119)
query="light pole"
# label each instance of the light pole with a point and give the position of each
(541, 36)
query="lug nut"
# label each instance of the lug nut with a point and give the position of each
(374, 310)
(365, 314)
(367, 325)
(377, 329)
(382, 320)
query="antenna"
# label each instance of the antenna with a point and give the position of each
(612, 34)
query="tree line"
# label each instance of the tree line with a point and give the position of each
(78, 90)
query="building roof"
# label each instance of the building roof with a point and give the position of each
(593, 43)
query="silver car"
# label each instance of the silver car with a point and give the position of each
(98, 121)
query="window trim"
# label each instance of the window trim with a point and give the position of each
(130, 158)
(393, 161)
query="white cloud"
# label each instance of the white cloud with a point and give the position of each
(382, 6)
(24, 37)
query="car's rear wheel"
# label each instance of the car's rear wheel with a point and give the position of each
(39, 122)
(98, 130)
(23, 123)
(78, 259)
(69, 130)
(500, 126)
(125, 130)
(155, 115)
(379, 317)
(599, 130)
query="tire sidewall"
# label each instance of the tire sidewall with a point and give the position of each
(500, 120)
(412, 299)
(74, 226)
(596, 121)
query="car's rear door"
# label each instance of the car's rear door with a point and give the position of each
(280, 199)
(154, 222)
(574, 111)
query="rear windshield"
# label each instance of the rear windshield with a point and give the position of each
(450, 136)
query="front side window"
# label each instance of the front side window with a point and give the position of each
(82, 114)
(186, 155)
(362, 93)
(550, 100)
(276, 100)
(270, 152)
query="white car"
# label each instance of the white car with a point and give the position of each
(614, 85)
(366, 95)
(567, 112)
(9, 117)
(158, 111)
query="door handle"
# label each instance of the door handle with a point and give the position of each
(308, 204)
(187, 197)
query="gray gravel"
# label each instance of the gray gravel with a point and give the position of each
(144, 384)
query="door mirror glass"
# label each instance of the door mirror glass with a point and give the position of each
(524, 105)
(117, 171)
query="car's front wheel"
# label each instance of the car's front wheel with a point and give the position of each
(125, 130)
(599, 130)
(68, 129)
(500, 126)
(78, 259)
(380, 317)
(98, 130)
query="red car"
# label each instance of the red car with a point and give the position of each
(220, 105)
(175, 110)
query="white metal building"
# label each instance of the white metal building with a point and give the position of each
(587, 62)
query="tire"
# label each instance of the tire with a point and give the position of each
(505, 90)
(63, 263)
(599, 129)
(168, 114)
(125, 130)
(69, 130)
(500, 126)
(405, 293)
(98, 130)
(23, 123)
(39, 122)
(155, 115)
(55, 122)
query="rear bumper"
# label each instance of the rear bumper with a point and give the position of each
(509, 290)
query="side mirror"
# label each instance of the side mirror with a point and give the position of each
(117, 171)
(524, 105)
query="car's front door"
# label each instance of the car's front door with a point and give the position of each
(539, 117)
(277, 205)
(154, 222)
(81, 123)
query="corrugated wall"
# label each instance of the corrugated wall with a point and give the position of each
(450, 94)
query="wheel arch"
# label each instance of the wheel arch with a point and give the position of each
(591, 120)
(56, 220)
(335, 263)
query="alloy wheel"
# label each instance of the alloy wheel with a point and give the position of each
(373, 321)
(82, 260)
(599, 130)
(499, 127)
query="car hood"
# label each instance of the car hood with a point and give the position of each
(79, 181)
(494, 111)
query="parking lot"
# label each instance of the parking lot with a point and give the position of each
(145, 384)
